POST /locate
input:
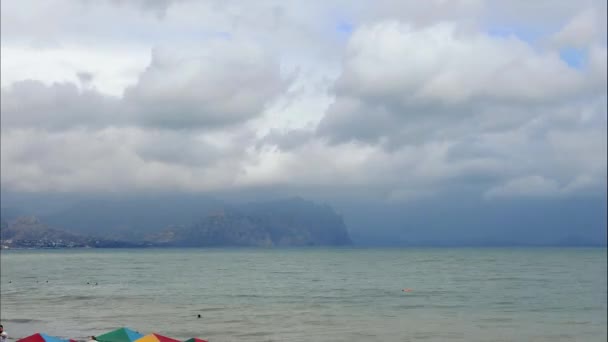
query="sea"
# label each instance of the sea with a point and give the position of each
(309, 294)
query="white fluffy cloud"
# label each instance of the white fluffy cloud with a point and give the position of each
(119, 159)
(398, 98)
(224, 84)
(437, 70)
(507, 109)
(57, 106)
(582, 30)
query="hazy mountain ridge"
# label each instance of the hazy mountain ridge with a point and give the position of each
(131, 218)
(293, 222)
(29, 232)
(316, 226)
(452, 220)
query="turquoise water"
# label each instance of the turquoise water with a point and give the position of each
(310, 294)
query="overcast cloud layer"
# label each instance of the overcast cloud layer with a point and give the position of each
(400, 100)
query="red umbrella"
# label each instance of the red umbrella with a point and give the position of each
(43, 338)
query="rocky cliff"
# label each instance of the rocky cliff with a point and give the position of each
(292, 222)
(258, 228)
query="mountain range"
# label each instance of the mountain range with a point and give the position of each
(208, 223)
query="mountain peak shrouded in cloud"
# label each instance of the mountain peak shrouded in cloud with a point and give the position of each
(176, 221)
(384, 108)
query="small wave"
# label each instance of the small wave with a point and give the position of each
(255, 334)
(212, 309)
(448, 306)
(410, 306)
(505, 303)
(424, 261)
(593, 308)
(496, 319)
(22, 320)
(503, 278)
(318, 322)
(249, 296)
(423, 336)
(69, 297)
(232, 321)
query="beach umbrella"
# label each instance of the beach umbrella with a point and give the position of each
(156, 338)
(194, 339)
(38, 337)
(119, 335)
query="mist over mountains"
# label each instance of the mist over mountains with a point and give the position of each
(460, 220)
(176, 222)
(254, 219)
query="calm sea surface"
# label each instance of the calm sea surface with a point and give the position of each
(310, 294)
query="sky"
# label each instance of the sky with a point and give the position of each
(385, 104)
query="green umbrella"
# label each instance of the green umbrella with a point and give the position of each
(119, 335)
(194, 339)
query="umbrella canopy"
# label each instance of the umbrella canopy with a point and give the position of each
(43, 338)
(156, 338)
(194, 339)
(119, 335)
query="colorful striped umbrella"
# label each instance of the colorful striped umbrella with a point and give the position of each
(156, 338)
(43, 338)
(194, 339)
(119, 335)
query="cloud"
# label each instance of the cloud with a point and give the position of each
(114, 69)
(60, 106)
(413, 100)
(540, 187)
(159, 7)
(287, 140)
(197, 91)
(122, 159)
(415, 12)
(85, 78)
(440, 64)
(225, 84)
(193, 149)
(401, 84)
(581, 31)
(532, 186)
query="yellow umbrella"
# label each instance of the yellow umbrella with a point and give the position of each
(156, 338)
